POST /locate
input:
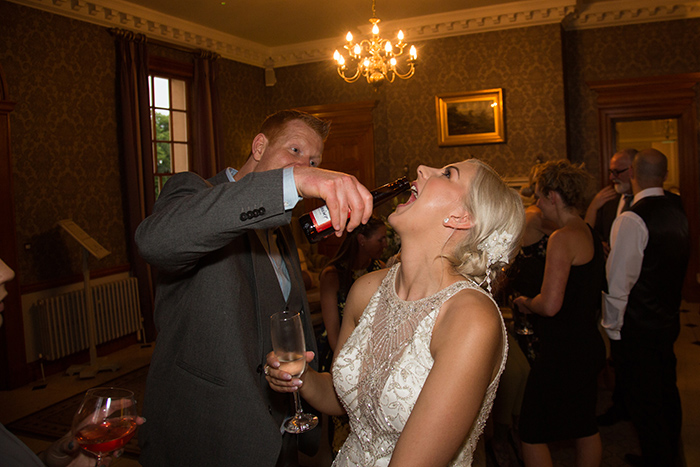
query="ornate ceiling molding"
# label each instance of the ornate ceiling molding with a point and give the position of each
(166, 28)
(622, 12)
(155, 25)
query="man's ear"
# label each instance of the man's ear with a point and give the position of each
(258, 146)
(460, 222)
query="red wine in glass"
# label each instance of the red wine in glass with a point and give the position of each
(106, 437)
(105, 421)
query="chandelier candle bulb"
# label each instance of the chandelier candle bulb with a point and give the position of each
(375, 58)
(316, 224)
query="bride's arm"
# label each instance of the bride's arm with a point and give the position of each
(466, 345)
(317, 388)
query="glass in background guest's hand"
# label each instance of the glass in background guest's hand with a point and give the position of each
(67, 453)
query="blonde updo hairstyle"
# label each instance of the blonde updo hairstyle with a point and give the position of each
(494, 207)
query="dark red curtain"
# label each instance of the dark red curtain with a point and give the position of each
(208, 141)
(137, 160)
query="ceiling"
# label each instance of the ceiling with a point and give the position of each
(289, 32)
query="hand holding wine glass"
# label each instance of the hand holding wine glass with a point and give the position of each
(289, 346)
(105, 421)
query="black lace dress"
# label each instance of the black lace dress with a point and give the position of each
(525, 278)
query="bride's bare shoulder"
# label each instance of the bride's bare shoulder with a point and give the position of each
(469, 311)
(364, 287)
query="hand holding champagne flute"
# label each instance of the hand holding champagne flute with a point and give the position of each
(289, 346)
(105, 421)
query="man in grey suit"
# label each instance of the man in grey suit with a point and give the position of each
(226, 261)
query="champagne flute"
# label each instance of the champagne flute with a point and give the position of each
(521, 322)
(290, 348)
(105, 421)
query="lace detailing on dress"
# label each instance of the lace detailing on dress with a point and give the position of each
(380, 372)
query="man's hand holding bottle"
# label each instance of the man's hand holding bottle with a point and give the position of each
(349, 202)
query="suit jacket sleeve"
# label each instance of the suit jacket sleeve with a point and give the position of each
(193, 218)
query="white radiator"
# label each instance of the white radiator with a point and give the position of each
(63, 319)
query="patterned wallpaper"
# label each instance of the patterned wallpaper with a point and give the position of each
(652, 49)
(243, 108)
(65, 150)
(65, 142)
(526, 63)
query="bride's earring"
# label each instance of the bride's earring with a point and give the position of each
(446, 220)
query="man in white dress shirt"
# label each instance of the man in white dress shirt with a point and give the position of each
(607, 204)
(645, 270)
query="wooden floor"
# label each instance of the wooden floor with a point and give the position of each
(23, 401)
(20, 402)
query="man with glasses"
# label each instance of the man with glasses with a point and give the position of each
(645, 269)
(609, 202)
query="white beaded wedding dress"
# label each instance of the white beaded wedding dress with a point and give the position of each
(380, 371)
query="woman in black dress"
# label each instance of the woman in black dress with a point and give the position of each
(560, 395)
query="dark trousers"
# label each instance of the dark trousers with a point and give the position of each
(289, 455)
(648, 371)
(618, 399)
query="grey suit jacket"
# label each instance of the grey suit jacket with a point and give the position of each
(207, 401)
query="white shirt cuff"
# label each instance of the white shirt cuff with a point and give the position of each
(291, 197)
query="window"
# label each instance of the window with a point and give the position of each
(169, 127)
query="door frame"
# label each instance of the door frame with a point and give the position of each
(658, 97)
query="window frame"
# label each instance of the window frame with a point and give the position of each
(162, 67)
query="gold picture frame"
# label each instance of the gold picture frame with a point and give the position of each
(474, 117)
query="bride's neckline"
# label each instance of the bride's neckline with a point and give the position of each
(395, 272)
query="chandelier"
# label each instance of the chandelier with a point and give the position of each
(374, 58)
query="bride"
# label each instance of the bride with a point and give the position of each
(422, 345)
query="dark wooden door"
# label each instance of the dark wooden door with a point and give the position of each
(349, 149)
(659, 97)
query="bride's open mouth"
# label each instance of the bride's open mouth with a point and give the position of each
(413, 197)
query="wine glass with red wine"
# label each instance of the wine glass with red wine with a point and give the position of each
(105, 421)
(290, 348)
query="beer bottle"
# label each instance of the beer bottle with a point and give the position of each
(316, 224)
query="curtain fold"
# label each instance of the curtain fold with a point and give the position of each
(137, 160)
(208, 142)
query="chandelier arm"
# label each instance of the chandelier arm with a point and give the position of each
(376, 58)
(351, 79)
(406, 75)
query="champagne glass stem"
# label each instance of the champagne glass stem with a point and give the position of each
(297, 402)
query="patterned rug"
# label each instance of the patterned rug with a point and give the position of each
(55, 421)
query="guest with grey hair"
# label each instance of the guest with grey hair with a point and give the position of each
(646, 269)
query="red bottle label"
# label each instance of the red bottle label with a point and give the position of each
(321, 218)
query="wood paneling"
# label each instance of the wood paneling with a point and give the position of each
(658, 97)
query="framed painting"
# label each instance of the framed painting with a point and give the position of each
(470, 117)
